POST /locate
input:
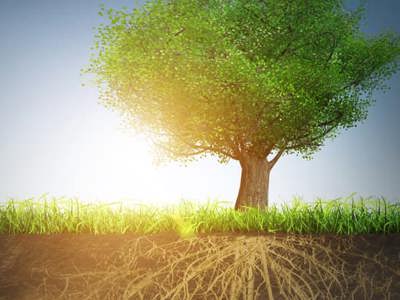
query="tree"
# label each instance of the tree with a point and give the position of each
(240, 79)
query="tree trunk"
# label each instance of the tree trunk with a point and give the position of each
(254, 183)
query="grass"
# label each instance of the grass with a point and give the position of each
(60, 215)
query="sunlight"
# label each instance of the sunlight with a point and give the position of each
(123, 169)
(115, 165)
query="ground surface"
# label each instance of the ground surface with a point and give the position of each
(220, 266)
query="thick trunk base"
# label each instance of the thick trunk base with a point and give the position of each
(254, 183)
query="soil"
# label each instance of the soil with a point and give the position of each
(129, 266)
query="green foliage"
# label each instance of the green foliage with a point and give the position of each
(234, 77)
(340, 216)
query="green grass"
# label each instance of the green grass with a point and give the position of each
(60, 215)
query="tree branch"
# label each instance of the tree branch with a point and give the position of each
(269, 148)
(312, 141)
(332, 121)
(201, 148)
(180, 31)
(178, 153)
(273, 161)
(287, 48)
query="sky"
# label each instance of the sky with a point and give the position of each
(56, 139)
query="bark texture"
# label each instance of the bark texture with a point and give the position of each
(254, 183)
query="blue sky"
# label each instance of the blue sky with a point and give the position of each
(55, 138)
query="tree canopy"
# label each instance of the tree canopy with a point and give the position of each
(239, 77)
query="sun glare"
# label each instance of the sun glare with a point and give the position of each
(123, 169)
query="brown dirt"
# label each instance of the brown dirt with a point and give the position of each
(220, 266)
